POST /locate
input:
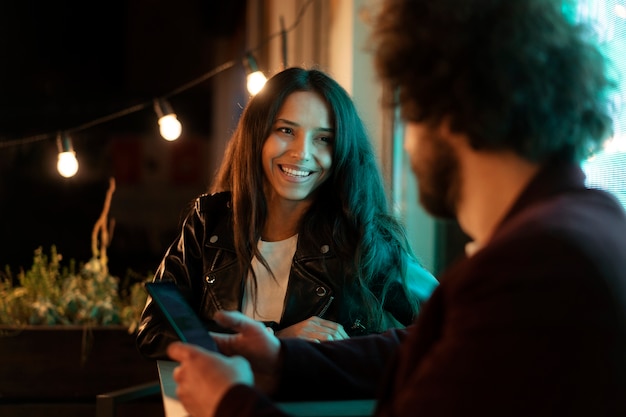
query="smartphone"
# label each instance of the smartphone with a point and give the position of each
(180, 315)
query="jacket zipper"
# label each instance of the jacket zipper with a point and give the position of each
(330, 300)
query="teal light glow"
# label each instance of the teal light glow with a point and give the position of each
(608, 169)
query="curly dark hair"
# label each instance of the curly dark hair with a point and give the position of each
(511, 74)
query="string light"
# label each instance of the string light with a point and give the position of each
(67, 164)
(169, 126)
(255, 79)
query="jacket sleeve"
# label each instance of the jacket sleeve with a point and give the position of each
(334, 370)
(320, 372)
(242, 400)
(182, 261)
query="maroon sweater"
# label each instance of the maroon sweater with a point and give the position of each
(533, 324)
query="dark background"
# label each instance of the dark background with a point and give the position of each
(66, 63)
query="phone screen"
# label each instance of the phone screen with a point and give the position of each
(180, 315)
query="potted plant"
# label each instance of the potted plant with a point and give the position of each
(51, 294)
(67, 331)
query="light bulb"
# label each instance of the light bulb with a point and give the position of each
(67, 164)
(256, 81)
(170, 127)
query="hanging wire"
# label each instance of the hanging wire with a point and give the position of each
(283, 42)
(280, 32)
(26, 140)
(110, 117)
(148, 104)
(201, 79)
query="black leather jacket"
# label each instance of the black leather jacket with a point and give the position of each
(202, 261)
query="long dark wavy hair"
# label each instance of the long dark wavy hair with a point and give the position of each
(511, 74)
(351, 207)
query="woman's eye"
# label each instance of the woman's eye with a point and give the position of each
(327, 139)
(286, 130)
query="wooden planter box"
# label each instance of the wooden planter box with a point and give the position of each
(69, 363)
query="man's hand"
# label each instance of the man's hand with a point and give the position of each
(204, 377)
(253, 341)
(315, 329)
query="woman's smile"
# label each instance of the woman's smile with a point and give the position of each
(297, 155)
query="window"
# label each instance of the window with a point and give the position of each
(607, 170)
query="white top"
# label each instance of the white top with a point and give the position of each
(270, 296)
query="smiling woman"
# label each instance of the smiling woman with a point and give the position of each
(297, 159)
(297, 233)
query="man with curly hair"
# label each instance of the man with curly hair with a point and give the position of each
(502, 101)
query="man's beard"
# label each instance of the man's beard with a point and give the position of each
(438, 179)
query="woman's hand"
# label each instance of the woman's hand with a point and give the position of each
(315, 329)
